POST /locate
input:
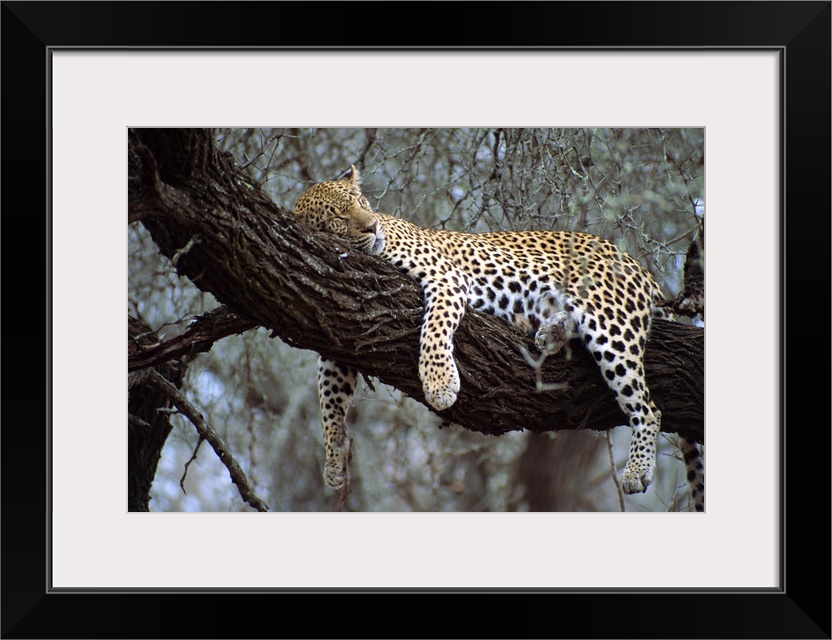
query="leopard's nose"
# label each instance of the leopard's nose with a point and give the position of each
(372, 228)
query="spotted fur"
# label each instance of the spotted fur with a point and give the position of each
(551, 283)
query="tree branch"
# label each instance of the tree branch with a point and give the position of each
(199, 338)
(315, 292)
(238, 476)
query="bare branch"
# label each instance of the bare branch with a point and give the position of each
(137, 423)
(199, 338)
(614, 472)
(346, 490)
(238, 476)
(188, 464)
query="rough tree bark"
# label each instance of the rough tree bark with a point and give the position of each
(314, 292)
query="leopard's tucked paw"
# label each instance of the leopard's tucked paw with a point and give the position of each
(554, 333)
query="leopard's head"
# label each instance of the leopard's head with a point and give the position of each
(339, 207)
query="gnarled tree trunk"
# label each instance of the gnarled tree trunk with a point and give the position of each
(147, 427)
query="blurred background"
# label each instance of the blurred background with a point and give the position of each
(641, 188)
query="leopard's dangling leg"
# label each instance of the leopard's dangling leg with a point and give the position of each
(619, 351)
(336, 387)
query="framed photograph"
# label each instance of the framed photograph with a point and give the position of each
(743, 88)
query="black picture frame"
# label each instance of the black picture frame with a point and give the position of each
(800, 608)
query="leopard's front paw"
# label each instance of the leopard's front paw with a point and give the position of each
(441, 399)
(440, 382)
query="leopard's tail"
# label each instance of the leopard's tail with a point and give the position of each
(695, 471)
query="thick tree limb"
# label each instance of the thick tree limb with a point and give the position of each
(316, 293)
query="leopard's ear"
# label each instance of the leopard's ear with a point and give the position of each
(352, 178)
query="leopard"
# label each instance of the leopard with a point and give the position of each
(553, 284)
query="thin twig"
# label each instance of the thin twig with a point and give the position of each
(537, 366)
(188, 464)
(346, 490)
(238, 476)
(614, 472)
(188, 246)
